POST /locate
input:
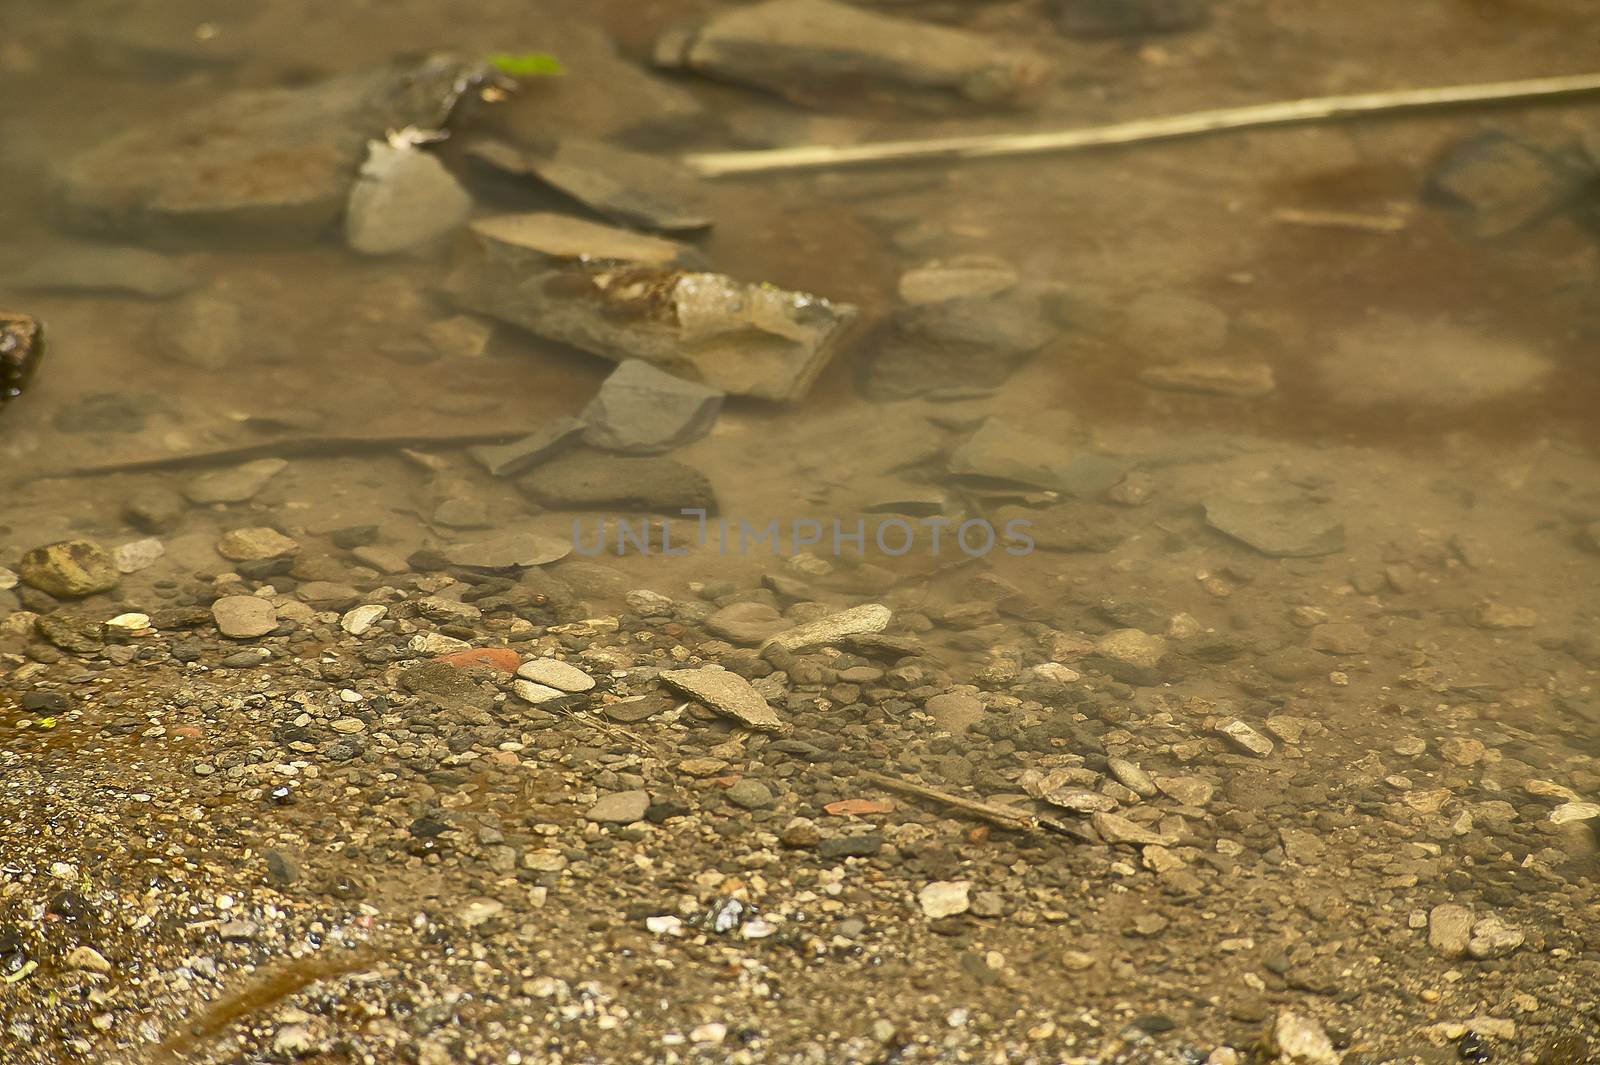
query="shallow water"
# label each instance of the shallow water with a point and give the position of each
(1433, 394)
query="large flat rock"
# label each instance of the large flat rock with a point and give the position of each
(625, 296)
(818, 51)
(266, 164)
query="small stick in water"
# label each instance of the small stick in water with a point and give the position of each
(981, 145)
(1004, 816)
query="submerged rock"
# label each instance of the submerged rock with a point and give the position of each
(21, 348)
(728, 694)
(404, 199)
(965, 343)
(70, 569)
(1502, 185)
(628, 187)
(1286, 529)
(520, 456)
(640, 411)
(1427, 364)
(1127, 18)
(512, 550)
(244, 617)
(866, 619)
(584, 480)
(1003, 451)
(203, 330)
(962, 277)
(233, 485)
(103, 268)
(269, 164)
(626, 296)
(814, 51)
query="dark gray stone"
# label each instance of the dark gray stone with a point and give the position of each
(642, 411)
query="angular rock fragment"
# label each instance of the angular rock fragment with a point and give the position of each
(945, 898)
(244, 617)
(269, 164)
(728, 694)
(641, 410)
(584, 480)
(520, 456)
(814, 51)
(1245, 738)
(554, 673)
(255, 544)
(1502, 185)
(1002, 450)
(1288, 529)
(626, 296)
(965, 344)
(1299, 1040)
(857, 621)
(627, 187)
(403, 200)
(233, 485)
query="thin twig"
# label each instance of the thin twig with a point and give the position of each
(1314, 109)
(1003, 816)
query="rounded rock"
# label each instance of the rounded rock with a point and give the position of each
(70, 569)
(244, 617)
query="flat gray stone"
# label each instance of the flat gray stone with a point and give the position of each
(586, 480)
(728, 694)
(750, 794)
(555, 673)
(954, 712)
(624, 295)
(524, 549)
(1003, 451)
(1289, 529)
(270, 164)
(234, 485)
(244, 617)
(1114, 828)
(530, 692)
(620, 808)
(864, 620)
(813, 51)
(520, 456)
(641, 410)
(746, 623)
(632, 188)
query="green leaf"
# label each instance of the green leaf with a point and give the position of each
(527, 64)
